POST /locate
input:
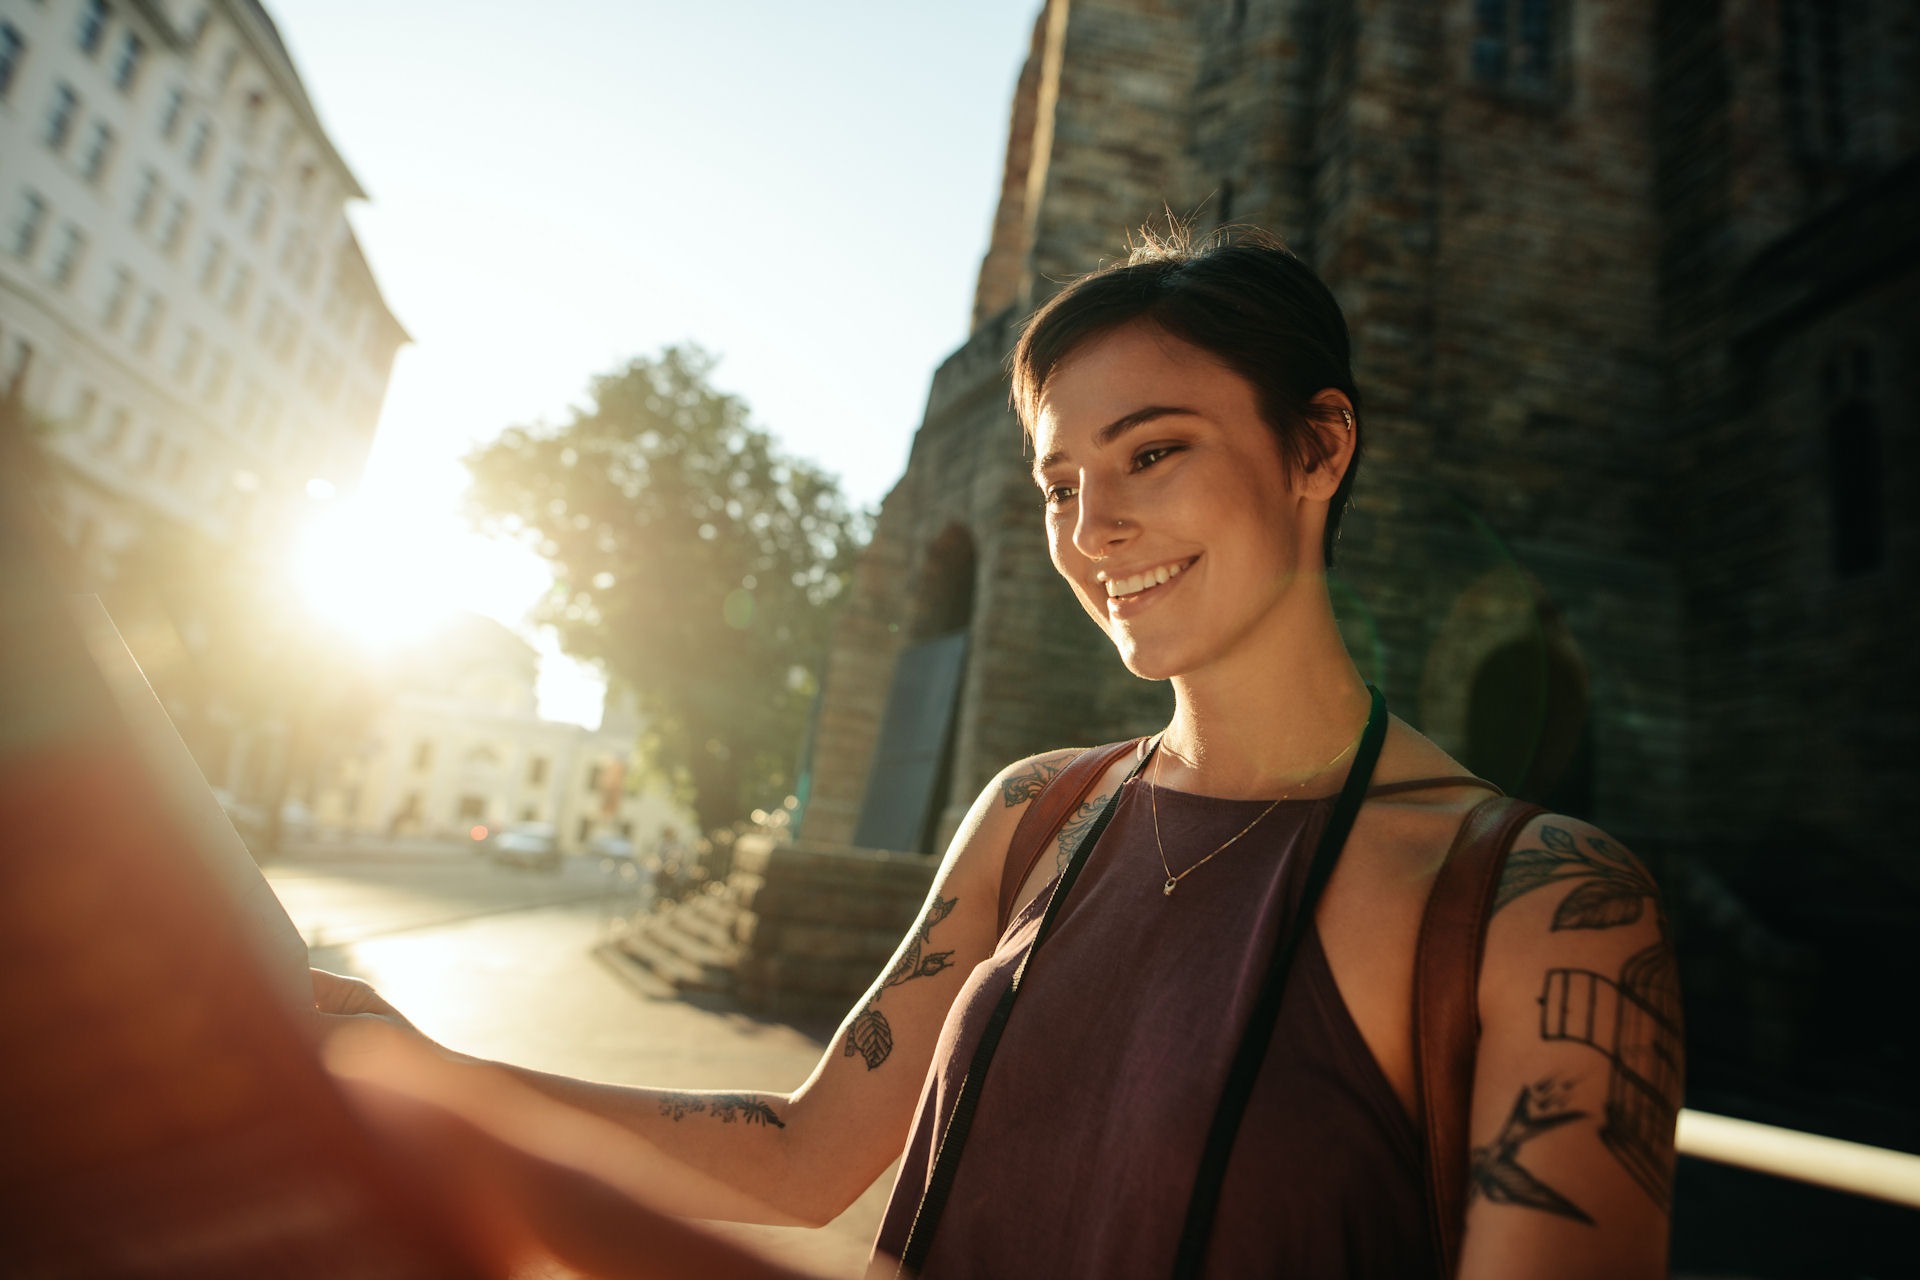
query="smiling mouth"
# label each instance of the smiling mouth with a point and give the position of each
(1146, 580)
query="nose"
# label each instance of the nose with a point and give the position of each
(1099, 525)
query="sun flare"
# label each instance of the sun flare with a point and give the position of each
(373, 574)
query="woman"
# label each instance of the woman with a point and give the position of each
(1196, 431)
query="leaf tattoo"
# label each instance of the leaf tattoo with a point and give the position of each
(1616, 891)
(1494, 1170)
(1075, 829)
(724, 1107)
(1028, 783)
(870, 1035)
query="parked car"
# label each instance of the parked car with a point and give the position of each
(526, 844)
(249, 820)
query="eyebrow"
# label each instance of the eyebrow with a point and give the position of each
(1117, 428)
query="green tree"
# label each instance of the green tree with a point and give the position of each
(695, 562)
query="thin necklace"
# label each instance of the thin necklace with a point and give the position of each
(1153, 796)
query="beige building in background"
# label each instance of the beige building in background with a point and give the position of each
(183, 305)
(465, 747)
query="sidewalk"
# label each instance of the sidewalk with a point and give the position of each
(535, 988)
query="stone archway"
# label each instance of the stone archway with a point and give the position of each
(1505, 691)
(910, 783)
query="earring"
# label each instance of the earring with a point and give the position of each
(1348, 415)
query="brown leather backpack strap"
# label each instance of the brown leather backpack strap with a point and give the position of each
(1058, 798)
(1446, 1022)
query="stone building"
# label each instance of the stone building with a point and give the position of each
(1629, 287)
(464, 747)
(184, 307)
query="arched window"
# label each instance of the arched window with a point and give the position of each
(1856, 494)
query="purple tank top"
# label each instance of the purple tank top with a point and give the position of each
(1090, 1126)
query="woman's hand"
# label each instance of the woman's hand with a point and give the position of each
(338, 996)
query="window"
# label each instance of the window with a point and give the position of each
(1517, 46)
(593, 779)
(219, 373)
(423, 755)
(177, 464)
(11, 49)
(150, 452)
(210, 264)
(145, 198)
(83, 406)
(119, 293)
(254, 110)
(66, 105)
(529, 813)
(1824, 79)
(262, 213)
(93, 162)
(147, 328)
(186, 360)
(171, 111)
(115, 433)
(537, 771)
(223, 72)
(236, 186)
(126, 68)
(175, 225)
(14, 369)
(93, 26)
(27, 226)
(197, 143)
(67, 252)
(239, 288)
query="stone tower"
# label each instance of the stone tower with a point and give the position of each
(1628, 287)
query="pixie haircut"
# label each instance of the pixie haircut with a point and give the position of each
(1241, 296)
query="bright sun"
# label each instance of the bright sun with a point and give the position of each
(377, 574)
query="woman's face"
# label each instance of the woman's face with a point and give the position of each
(1169, 509)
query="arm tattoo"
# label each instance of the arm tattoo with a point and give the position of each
(724, 1107)
(870, 1035)
(1615, 891)
(1632, 1020)
(1028, 783)
(1494, 1170)
(1075, 829)
(1634, 1023)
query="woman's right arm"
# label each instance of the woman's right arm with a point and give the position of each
(802, 1158)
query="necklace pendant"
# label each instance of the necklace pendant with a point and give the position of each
(1167, 889)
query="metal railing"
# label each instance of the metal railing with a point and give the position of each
(1852, 1167)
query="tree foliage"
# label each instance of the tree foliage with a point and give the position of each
(698, 564)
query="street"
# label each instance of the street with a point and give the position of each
(504, 963)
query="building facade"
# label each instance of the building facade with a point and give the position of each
(464, 747)
(184, 309)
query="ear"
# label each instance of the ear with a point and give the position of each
(1330, 414)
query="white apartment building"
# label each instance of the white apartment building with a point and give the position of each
(184, 309)
(465, 747)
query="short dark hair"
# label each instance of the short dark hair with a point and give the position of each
(1241, 296)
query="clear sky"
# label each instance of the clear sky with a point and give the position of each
(803, 188)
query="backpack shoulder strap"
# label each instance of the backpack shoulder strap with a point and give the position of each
(1446, 1023)
(1062, 794)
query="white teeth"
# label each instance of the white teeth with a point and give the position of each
(1141, 581)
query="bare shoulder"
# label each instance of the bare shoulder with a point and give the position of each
(1021, 781)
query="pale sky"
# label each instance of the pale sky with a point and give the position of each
(803, 188)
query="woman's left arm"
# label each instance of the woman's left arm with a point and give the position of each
(1580, 1068)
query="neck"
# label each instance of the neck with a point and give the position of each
(1269, 719)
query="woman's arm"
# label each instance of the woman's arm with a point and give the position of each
(1580, 1068)
(802, 1158)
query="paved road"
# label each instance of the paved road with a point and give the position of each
(505, 964)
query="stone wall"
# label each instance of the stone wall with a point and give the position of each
(1609, 319)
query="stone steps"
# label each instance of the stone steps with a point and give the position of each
(687, 945)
